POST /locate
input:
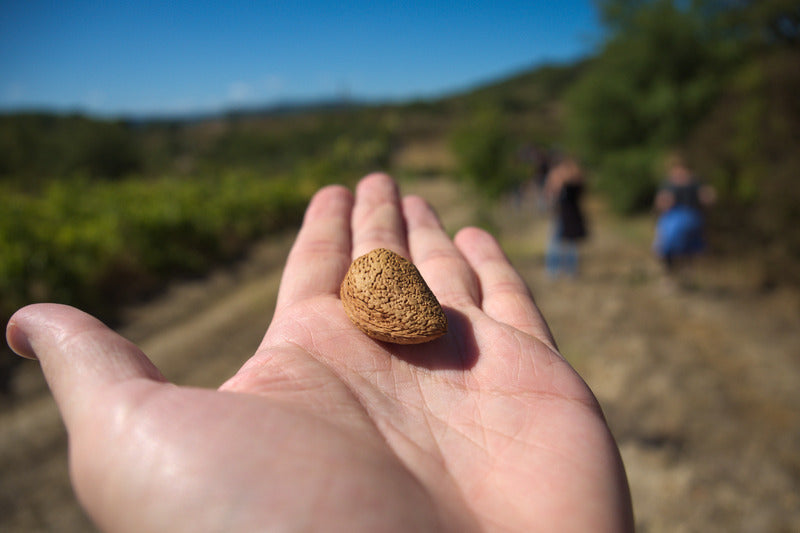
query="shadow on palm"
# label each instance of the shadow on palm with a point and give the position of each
(455, 350)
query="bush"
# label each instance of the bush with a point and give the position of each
(747, 147)
(629, 179)
(482, 148)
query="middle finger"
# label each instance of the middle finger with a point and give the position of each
(377, 220)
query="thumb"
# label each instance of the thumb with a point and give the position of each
(78, 353)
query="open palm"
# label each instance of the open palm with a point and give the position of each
(324, 428)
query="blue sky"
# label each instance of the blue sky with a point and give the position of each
(142, 57)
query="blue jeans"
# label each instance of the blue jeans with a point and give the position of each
(561, 257)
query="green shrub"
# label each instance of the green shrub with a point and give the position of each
(482, 148)
(630, 178)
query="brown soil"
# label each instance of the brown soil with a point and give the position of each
(699, 377)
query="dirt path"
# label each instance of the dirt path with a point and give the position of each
(700, 386)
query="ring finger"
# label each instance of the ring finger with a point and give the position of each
(441, 264)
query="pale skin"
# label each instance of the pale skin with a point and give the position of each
(487, 428)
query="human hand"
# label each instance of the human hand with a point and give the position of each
(487, 427)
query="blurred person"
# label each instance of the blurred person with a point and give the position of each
(323, 428)
(680, 203)
(564, 191)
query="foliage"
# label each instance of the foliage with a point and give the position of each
(653, 82)
(279, 144)
(628, 178)
(759, 25)
(491, 125)
(96, 213)
(95, 244)
(747, 147)
(41, 146)
(483, 150)
(534, 90)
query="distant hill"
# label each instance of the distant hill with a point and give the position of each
(532, 88)
(528, 89)
(43, 145)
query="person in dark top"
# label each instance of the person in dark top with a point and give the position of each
(564, 189)
(680, 203)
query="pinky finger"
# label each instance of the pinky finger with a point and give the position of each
(506, 297)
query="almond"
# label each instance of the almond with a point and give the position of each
(385, 296)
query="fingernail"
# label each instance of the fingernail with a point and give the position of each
(18, 341)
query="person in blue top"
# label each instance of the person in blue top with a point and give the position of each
(680, 202)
